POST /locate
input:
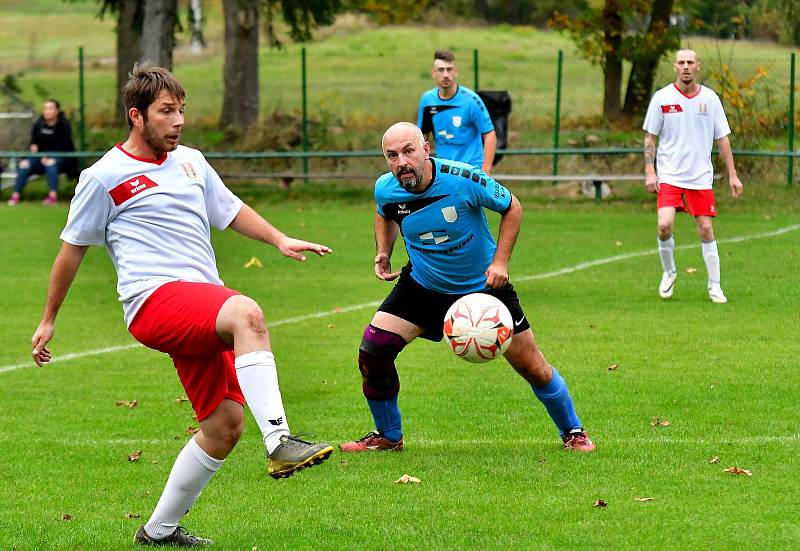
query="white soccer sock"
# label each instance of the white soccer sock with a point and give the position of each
(191, 472)
(258, 378)
(666, 250)
(711, 256)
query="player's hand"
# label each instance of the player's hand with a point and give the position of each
(496, 275)
(41, 354)
(651, 181)
(383, 268)
(291, 247)
(736, 187)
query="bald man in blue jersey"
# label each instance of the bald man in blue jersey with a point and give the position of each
(438, 207)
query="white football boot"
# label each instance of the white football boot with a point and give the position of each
(667, 284)
(716, 295)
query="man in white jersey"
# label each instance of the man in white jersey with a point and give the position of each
(686, 118)
(151, 203)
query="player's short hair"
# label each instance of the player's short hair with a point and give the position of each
(444, 55)
(54, 102)
(144, 84)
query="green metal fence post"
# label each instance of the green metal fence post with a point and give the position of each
(305, 115)
(557, 128)
(790, 133)
(475, 64)
(82, 106)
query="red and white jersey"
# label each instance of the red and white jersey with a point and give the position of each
(686, 127)
(153, 217)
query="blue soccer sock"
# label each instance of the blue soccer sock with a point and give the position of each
(556, 399)
(386, 414)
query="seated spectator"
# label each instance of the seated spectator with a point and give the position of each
(50, 132)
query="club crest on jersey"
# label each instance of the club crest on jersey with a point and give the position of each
(450, 214)
(674, 108)
(188, 168)
(130, 188)
(702, 108)
(456, 121)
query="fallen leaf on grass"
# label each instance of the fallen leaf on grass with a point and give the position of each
(613, 367)
(407, 479)
(181, 399)
(600, 503)
(737, 470)
(619, 243)
(714, 460)
(644, 499)
(691, 270)
(192, 430)
(331, 326)
(128, 403)
(132, 515)
(253, 263)
(659, 422)
(66, 516)
(135, 456)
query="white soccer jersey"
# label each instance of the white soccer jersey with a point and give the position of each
(686, 128)
(153, 217)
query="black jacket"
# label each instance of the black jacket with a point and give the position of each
(54, 138)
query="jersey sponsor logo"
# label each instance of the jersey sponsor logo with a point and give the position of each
(445, 135)
(130, 188)
(673, 108)
(434, 237)
(457, 121)
(188, 169)
(450, 214)
(448, 250)
(398, 211)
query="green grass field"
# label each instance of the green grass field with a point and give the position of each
(493, 475)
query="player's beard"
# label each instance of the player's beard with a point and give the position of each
(409, 178)
(157, 142)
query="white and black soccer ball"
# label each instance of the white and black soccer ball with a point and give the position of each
(478, 328)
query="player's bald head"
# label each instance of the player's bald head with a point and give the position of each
(686, 52)
(403, 132)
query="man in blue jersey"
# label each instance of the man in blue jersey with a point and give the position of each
(461, 126)
(437, 205)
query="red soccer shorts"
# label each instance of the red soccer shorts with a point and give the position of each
(698, 202)
(180, 319)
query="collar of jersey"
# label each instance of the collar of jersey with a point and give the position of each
(699, 88)
(158, 161)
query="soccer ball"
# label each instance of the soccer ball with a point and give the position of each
(478, 327)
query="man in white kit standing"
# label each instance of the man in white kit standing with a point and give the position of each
(151, 203)
(686, 118)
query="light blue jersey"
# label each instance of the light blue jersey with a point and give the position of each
(444, 228)
(457, 124)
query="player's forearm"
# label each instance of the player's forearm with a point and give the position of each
(61, 277)
(649, 154)
(510, 223)
(385, 235)
(251, 224)
(489, 150)
(724, 146)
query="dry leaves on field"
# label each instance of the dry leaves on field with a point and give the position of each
(181, 399)
(714, 460)
(132, 515)
(192, 430)
(691, 270)
(407, 479)
(128, 403)
(66, 516)
(659, 422)
(253, 263)
(135, 456)
(600, 503)
(644, 499)
(613, 367)
(737, 470)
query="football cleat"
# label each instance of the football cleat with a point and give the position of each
(716, 295)
(179, 538)
(667, 286)
(577, 440)
(372, 441)
(14, 199)
(294, 454)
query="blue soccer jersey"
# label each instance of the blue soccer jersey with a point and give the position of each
(457, 124)
(444, 228)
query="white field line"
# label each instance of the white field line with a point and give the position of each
(322, 314)
(430, 443)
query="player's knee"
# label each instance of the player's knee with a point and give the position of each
(249, 316)
(24, 164)
(664, 229)
(376, 356)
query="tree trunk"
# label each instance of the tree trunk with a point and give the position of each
(240, 73)
(643, 71)
(129, 35)
(158, 32)
(196, 24)
(612, 61)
